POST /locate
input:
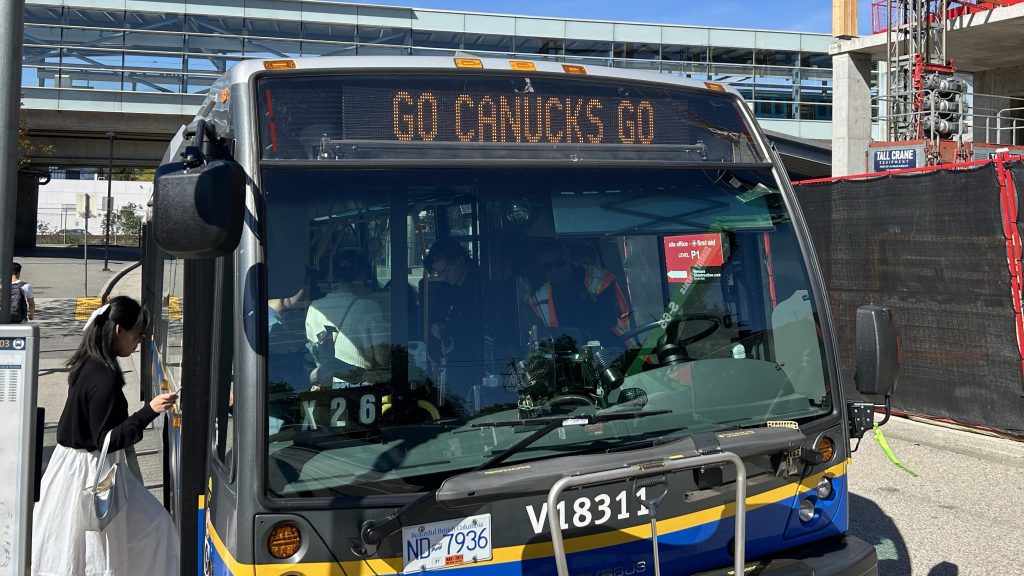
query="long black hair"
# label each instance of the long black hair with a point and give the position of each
(100, 339)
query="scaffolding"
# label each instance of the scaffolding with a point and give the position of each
(925, 100)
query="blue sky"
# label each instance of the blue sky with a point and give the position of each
(797, 15)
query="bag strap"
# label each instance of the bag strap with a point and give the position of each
(103, 458)
(344, 316)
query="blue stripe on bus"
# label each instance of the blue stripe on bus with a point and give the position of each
(694, 549)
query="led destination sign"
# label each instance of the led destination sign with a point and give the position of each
(521, 118)
(360, 116)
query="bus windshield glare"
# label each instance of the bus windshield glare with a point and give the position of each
(415, 315)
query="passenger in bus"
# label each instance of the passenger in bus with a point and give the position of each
(288, 358)
(348, 328)
(454, 306)
(453, 311)
(578, 296)
(141, 537)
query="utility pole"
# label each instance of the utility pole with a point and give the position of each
(12, 15)
(65, 208)
(110, 204)
(85, 248)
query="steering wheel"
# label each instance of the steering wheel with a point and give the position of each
(675, 326)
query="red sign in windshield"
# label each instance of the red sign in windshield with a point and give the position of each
(687, 256)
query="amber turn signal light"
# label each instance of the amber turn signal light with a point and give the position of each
(278, 64)
(284, 541)
(826, 448)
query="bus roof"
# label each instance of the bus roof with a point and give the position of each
(242, 71)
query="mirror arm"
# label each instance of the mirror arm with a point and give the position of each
(861, 416)
(888, 410)
(193, 155)
(206, 144)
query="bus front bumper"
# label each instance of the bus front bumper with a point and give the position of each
(847, 556)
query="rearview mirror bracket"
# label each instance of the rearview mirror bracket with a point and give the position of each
(198, 204)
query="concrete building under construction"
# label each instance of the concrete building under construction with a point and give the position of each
(922, 212)
(950, 84)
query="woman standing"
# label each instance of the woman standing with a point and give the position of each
(141, 539)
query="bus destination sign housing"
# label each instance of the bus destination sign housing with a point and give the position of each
(352, 116)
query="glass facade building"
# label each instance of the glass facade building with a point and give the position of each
(161, 56)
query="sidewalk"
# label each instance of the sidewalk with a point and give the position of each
(60, 272)
(60, 334)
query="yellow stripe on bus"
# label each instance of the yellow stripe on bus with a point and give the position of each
(388, 566)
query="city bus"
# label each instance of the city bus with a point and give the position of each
(495, 316)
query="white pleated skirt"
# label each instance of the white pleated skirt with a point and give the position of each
(140, 540)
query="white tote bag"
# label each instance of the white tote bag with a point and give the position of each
(102, 501)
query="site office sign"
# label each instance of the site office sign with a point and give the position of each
(687, 256)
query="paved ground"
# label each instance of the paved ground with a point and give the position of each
(959, 517)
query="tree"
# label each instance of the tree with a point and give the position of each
(27, 147)
(127, 220)
(134, 174)
(124, 222)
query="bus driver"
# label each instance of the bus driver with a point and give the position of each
(578, 296)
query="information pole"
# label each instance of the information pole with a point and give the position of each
(110, 204)
(20, 433)
(12, 15)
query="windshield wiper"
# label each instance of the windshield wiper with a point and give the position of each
(578, 420)
(371, 533)
(550, 423)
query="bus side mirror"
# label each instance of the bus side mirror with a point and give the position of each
(877, 351)
(198, 212)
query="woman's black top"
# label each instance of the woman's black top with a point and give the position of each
(95, 405)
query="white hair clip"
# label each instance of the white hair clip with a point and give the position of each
(95, 314)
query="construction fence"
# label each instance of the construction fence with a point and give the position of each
(940, 246)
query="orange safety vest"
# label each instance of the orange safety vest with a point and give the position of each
(596, 280)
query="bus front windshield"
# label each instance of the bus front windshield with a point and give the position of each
(422, 322)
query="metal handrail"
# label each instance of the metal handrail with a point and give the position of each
(1014, 124)
(642, 470)
(981, 123)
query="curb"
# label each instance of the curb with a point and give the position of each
(113, 280)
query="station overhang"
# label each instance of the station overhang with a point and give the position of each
(804, 159)
(79, 138)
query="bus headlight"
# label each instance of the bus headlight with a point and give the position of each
(284, 541)
(824, 488)
(806, 511)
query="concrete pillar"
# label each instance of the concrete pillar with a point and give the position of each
(25, 216)
(851, 112)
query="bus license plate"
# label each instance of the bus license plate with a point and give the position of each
(444, 544)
